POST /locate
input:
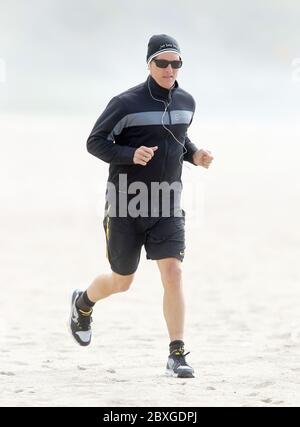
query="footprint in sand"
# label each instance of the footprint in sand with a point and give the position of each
(295, 336)
(3, 332)
(283, 336)
(20, 363)
(26, 343)
(266, 400)
(265, 384)
(7, 373)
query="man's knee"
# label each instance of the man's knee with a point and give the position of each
(172, 274)
(122, 283)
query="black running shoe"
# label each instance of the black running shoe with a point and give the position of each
(177, 366)
(80, 324)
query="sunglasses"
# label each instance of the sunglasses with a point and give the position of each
(163, 63)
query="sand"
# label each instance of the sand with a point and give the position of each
(241, 273)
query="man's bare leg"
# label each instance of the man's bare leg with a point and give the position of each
(173, 300)
(108, 284)
(83, 302)
(174, 311)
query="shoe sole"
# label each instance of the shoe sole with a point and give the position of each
(170, 373)
(70, 320)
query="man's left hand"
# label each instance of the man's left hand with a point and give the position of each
(202, 158)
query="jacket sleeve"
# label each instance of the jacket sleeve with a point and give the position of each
(190, 150)
(189, 146)
(101, 142)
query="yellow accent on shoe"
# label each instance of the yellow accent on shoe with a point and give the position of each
(178, 351)
(85, 313)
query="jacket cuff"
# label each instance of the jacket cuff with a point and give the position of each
(189, 156)
(127, 155)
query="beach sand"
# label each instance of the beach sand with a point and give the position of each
(241, 274)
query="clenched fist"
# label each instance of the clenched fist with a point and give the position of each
(143, 155)
(202, 158)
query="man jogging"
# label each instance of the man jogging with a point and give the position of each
(142, 134)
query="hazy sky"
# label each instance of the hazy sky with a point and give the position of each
(73, 56)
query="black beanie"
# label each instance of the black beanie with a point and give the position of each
(161, 43)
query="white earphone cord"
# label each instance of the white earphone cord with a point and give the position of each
(162, 122)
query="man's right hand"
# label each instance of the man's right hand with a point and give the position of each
(143, 154)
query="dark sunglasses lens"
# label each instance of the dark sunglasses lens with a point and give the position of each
(176, 64)
(163, 63)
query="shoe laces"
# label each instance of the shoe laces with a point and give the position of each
(179, 354)
(84, 321)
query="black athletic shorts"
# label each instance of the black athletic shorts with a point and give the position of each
(162, 237)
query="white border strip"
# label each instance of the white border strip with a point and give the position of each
(161, 51)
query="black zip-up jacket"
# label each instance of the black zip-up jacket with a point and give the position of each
(133, 119)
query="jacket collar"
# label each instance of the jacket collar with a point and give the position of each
(159, 91)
